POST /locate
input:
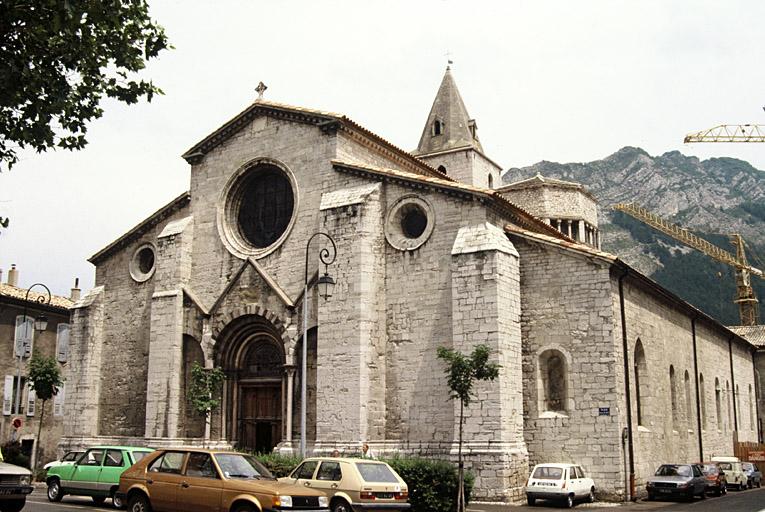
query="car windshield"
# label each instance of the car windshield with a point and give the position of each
(673, 470)
(376, 472)
(548, 473)
(725, 466)
(710, 469)
(236, 465)
(138, 455)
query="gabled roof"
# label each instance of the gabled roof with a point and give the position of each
(145, 225)
(38, 300)
(328, 121)
(492, 198)
(543, 181)
(449, 110)
(754, 333)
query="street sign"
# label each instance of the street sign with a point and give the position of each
(604, 411)
(757, 456)
(17, 422)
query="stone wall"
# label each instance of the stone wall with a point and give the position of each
(566, 308)
(555, 202)
(467, 166)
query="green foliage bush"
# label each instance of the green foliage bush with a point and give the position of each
(432, 484)
(12, 454)
(279, 465)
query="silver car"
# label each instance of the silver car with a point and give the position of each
(677, 481)
(15, 484)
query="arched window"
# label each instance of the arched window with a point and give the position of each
(688, 404)
(442, 169)
(702, 402)
(641, 382)
(491, 181)
(673, 395)
(553, 372)
(727, 405)
(718, 404)
(751, 409)
(438, 127)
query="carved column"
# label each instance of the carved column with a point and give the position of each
(290, 380)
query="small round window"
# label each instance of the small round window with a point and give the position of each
(409, 223)
(142, 265)
(413, 220)
(257, 208)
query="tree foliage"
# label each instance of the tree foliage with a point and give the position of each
(204, 391)
(463, 370)
(45, 380)
(60, 58)
(44, 376)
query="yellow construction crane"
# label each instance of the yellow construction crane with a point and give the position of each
(746, 299)
(729, 133)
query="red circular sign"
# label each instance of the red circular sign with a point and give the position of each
(17, 422)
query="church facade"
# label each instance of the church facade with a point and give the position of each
(427, 252)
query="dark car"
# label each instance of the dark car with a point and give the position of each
(677, 481)
(753, 474)
(716, 482)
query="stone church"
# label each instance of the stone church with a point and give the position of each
(599, 364)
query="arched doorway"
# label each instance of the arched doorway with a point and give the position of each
(253, 358)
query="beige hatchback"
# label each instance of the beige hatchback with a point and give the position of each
(353, 484)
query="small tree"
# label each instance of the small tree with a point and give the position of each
(45, 381)
(204, 392)
(461, 372)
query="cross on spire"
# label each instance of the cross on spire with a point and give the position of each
(260, 89)
(448, 56)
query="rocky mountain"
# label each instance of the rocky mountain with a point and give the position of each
(713, 198)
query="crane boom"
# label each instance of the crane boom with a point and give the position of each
(729, 133)
(745, 296)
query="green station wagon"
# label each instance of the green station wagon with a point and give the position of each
(96, 473)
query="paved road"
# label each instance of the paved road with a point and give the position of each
(735, 501)
(744, 501)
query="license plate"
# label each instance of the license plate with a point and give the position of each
(665, 491)
(4, 492)
(384, 495)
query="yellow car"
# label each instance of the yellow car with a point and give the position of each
(200, 480)
(353, 484)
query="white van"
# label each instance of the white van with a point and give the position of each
(734, 473)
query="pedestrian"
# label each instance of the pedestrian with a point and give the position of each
(366, 451)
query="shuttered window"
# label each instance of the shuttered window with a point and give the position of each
(24, 336)
(31, 397)
(62, 342)
(58, 401)
(8, 395)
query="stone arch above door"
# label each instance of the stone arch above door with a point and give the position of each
(254, 315)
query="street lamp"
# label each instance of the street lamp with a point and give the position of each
(326, 286)
(40, 324)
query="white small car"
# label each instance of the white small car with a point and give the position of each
(15, 485)
(566, 483)
(734, 473)
(69, 458)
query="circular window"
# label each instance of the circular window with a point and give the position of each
(409, 223)
(142, 265)
(257, 209)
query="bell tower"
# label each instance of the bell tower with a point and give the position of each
(450, 143)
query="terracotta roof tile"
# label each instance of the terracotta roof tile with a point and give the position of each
(15, 292)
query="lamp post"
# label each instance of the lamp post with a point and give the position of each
(326, 287)
(40, 324)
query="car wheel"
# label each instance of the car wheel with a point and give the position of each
(759, 483)
(591, 496)
(245, 508)
(341, 506)
(704, 494)
(139, 503)
(749, 484)
(54, 490)
(569, 503)
(99, 500)
(530, 501)
(724, 489)
(117, 502)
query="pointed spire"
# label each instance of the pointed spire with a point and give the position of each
(449, 126)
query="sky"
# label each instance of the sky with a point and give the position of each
(565, 81)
